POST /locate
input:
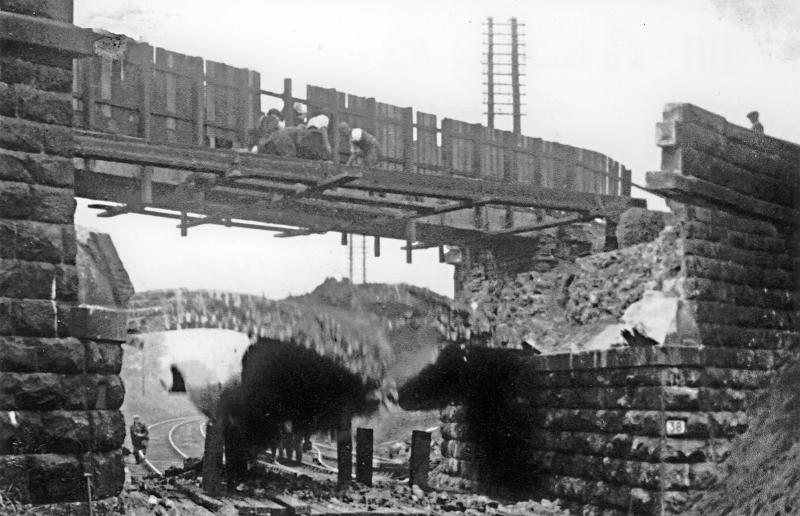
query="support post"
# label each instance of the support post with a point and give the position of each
(411, 237)
(441, 254)
(364, 456)
(344, 452)
(146, 174)
(184, 224)
(420, 458)
(377, 246)
(288, 103)
(212, 459)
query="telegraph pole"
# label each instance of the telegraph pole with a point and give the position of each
(504, 60)
(515, 94)
(490, 73)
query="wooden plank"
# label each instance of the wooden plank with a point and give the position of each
(408, 139)
(478, 163)
(681, 187)
(427, 149)
(198, 101)
(90, 68)
(260, 507)
(294, 505)
(145, 92)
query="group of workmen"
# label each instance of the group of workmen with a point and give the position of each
(311, 137)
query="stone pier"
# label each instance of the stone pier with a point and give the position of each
(60, 391)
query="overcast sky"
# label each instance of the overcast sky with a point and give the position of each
(598, 75)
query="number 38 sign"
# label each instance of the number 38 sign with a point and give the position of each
(676, 426)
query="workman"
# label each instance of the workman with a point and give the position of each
(140, 438)
(364, 148)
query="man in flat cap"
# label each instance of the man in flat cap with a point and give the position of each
(756, 125)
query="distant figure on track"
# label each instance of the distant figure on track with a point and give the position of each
(364, 148)
(140, 438)
(756, 125)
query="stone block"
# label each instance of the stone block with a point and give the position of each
(737, 358)
(34, 202)
(8, 101)
(103, 392)
(108, 473)
(36, 169)
(108, 428)
(61, 431)
(29, 317)
(43, 106)
(38, 280)
(51, 391)
(98, 323)
(37, 241)
(59, 140)
(53, 204)
(103, 357)
(56, 10)
(638, 225)
(14, 476)
(45, 355)
(726, 252)
(21, 135)
(726, 400)
(56, 478)
(745, 316)
(40, 76)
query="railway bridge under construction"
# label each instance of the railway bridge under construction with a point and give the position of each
(144, 130)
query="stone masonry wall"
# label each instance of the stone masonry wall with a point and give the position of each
(599, 433)
(598, 438)
(60, 391)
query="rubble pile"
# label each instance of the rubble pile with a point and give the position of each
(562, 308)
(180, 496)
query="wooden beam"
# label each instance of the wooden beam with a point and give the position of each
(544, 225)
(224, 205)
(298, 232)
(311, 172)
(191, 221)
(450, 208)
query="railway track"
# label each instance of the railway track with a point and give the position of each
(173, 440)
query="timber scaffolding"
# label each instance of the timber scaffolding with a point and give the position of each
(164, 134)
